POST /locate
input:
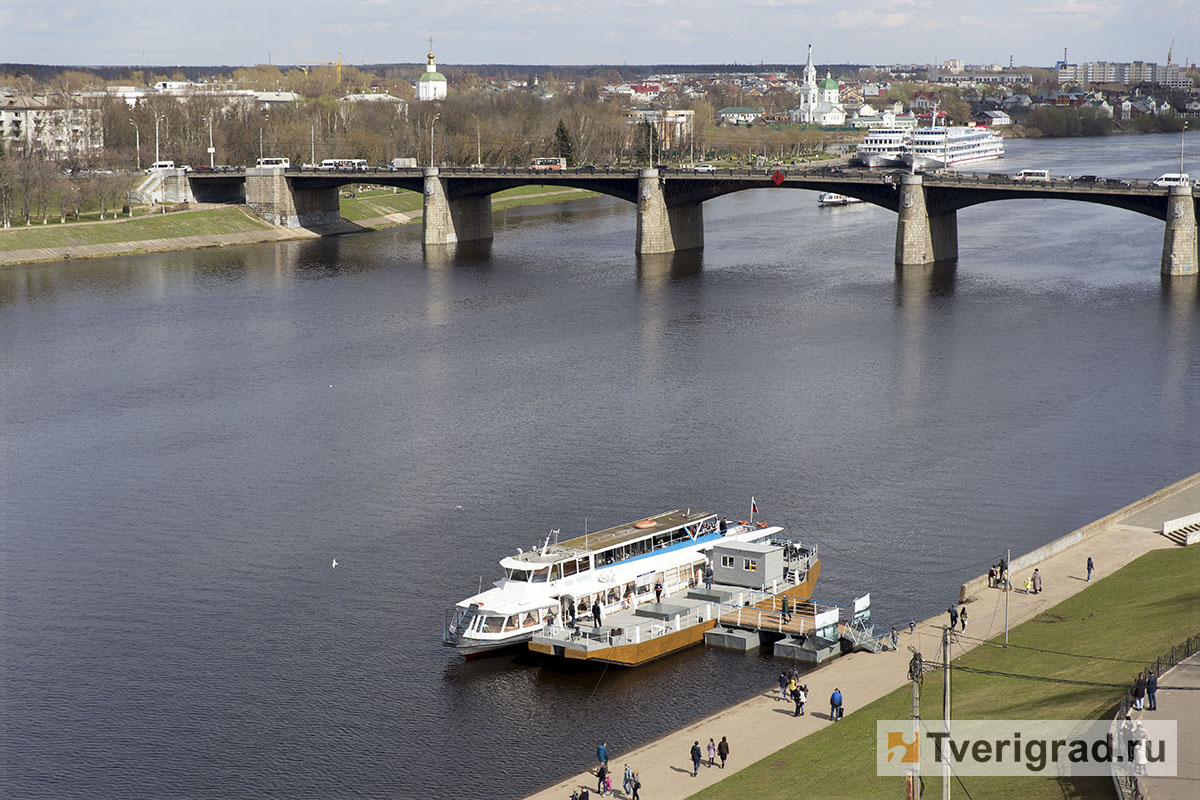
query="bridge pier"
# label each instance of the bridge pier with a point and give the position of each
(446, 221)
(663, 229)
(1179, 254)
(175, 187)
(271, 195)
(921, 237)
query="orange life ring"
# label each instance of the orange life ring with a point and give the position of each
(646, 523)
(761, 524)
(743, 522)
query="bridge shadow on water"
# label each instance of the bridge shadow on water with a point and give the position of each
(918, 283)
(462, 254)
(659, 269)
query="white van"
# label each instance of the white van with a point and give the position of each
(1173, 179)
(285, 163)
(1032, 175)
(160, 165)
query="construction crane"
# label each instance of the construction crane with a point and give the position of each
(308, 64)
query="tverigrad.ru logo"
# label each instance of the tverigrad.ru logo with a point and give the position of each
(1053, 747)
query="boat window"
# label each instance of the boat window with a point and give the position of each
(531, 618)
(518, 574)
(540, 575)
(672, 575)
(513, 622)
(585, 563)
(727, 562)
(584, 605)
(556, 572)
(493, 624)
(569, 568)
(628, 590)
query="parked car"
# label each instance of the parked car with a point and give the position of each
(1115, 182)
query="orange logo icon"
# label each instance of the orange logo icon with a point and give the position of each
(909, 751)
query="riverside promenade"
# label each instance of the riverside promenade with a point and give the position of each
(762, 725)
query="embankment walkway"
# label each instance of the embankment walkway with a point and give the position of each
(762, 725)
(1182, 704)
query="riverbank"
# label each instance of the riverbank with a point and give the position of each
(221, 226)
(766, 739)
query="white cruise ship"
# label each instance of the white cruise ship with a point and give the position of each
(618, 567)
(929, 148)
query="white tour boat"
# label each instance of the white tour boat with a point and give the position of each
(616, 567)
(929, 148)
(835, 199)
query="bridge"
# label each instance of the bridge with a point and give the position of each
(457, 201)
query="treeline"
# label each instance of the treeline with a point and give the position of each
(1092, 121)
(33, 190)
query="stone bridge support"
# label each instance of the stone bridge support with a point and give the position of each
(446, 221)
(663, 229)
(922, 238)
(175, 187)
(273, 197)
(1179, 255)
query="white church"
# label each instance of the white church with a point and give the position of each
(432, 84)
(819, 101)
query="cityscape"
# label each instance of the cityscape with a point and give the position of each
(727, 418)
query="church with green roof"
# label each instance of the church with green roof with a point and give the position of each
(432, 84)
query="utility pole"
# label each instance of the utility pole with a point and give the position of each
(435, 119)
(946, 711)
(1006, 587)
(156, 121)
(912, 777)
(211, 150)
(312, 157)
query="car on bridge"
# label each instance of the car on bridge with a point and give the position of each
(1172, 179)
(1087, 179)
(704, 168)
(586, 168)
(1115, 182)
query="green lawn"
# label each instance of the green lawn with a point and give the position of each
(194, 223)
(1136, 613)
(381, 202)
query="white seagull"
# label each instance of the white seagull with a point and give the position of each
(335, 563)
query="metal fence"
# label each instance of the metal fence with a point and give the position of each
(1127, 785)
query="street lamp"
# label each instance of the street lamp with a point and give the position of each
(211, 150)
(435, 119)
(260, 134)
(156, 121)
(138, 139)
(478, 148)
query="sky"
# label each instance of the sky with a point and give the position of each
(246, 32)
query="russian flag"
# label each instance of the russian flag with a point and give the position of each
(753, 506)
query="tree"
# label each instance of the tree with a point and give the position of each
(563, 143)
(647, 143)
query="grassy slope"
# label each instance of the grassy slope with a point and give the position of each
(1135, 613)
(195, 223)
(379, 203)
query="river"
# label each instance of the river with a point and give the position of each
(190, 439)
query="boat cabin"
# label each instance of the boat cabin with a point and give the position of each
(749, 564)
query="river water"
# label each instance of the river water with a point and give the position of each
(190, 439)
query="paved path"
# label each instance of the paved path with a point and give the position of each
(762, 725)
(153, 245)
(1182, 705)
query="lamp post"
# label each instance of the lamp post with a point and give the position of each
(156, 121)
(138, 139)
(479, 149)
(312, 157)
(1181, 133)
(431, 122)
(212, 151)
(260, 134)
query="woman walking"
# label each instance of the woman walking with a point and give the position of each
(712, 751)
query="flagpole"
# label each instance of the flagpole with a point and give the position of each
(751, 509)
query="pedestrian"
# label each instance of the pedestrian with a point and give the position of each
(1028, 584)
(1139, 691)
(601, 777)
(835, 705)
(1090, 567)
(912, 625)
(783, 686)
(723, 751)
(1141, 741)
(953, 618)
(596, 613)
(786, 613)
(627, 784)
(602, 754)
(1037, 582)
(1151, 690)
(695, 758)
(711, 748)
(800, 697)
(608, 785)
(637, 785)
(657, 592)
(708, 576)
(895, 639)
(1125, 733)
(962, 615)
